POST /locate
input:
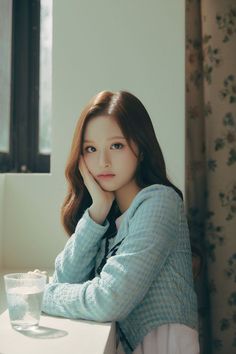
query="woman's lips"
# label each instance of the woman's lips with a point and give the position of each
(106, 176)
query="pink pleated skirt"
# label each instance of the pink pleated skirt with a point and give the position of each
(172, 338)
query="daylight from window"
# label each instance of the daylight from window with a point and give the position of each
(5, 72)
(45, 80)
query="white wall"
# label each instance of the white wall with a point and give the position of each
(2, 180)
(103, 45)
(32, 231)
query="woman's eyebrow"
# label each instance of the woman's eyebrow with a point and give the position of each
(111, 138)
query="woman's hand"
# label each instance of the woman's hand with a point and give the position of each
(102, 200)
(37, 271)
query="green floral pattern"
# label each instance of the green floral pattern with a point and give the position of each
(211, 58)
(211, 165)
(227, 23)
(228, 201)
(228, 92)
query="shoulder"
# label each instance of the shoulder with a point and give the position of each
(156, 193)
(155, 199)
(155, 214)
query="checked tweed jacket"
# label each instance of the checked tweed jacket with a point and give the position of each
(145, 283)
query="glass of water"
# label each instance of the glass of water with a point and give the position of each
(24, 299)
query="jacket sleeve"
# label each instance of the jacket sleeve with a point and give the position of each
(127, 276)
(75, 263)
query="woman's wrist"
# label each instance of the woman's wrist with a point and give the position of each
(98, 213)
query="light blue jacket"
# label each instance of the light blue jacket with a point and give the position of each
(147, 283)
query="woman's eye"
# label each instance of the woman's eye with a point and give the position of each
(89, 149)
(118, 146)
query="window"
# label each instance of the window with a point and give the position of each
(25, 85)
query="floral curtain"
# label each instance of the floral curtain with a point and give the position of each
(211, 165)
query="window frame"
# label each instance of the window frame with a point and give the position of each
(24, 155)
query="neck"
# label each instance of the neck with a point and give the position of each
(125, 195)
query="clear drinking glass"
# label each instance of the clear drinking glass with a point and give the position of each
(24, 299)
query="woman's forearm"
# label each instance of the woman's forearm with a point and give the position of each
(77, 260)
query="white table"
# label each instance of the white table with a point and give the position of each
(55, 334)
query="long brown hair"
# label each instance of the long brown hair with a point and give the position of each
(136, 125)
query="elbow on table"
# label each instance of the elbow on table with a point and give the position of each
(113, 312)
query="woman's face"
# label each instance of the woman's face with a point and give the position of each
(106, 152)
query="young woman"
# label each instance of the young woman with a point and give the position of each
(128, 258)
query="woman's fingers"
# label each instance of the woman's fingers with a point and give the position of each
(37, 271)
(98, 195)
(81, 166)
(89, 181)
(84, 170)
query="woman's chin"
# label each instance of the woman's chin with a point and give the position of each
(108, 189)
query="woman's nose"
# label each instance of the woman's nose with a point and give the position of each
(104, 159)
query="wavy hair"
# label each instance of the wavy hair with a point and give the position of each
(135, 123)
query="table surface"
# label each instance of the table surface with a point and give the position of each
(55, 334)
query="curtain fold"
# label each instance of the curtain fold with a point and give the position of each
(211, 165)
